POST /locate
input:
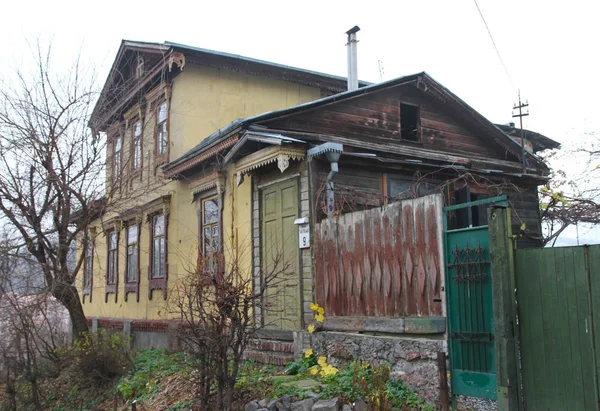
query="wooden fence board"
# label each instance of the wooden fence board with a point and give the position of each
(381, 262)
(558, 299)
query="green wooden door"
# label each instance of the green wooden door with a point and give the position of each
(558, 294)
(280, 256)
(469, 299)
(470, 312)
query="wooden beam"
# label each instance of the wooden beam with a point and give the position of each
(389, 325)
(503, 295)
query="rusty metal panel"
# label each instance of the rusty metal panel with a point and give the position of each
(381, 262)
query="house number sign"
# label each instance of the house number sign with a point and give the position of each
(304, 236)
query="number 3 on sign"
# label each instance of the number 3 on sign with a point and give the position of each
(304, 236)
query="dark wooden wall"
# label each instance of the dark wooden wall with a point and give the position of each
(376, 118)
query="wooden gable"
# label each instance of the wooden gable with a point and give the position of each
(376, 118)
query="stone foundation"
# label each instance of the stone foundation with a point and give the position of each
(412, 359)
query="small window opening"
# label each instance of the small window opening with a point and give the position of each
(409, 122)
(139, 71)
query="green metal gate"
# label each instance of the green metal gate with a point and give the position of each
(558, 294)
(469, 304)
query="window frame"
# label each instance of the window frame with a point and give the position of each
(161, 157)
(137, 169)
(87, 284)
(419, 135)
(158, 283)
(112, 287)
(132, 286)
(216, 260)
(117, 162)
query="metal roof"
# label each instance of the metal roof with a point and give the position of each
(278, 66)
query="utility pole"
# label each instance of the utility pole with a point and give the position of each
(521, 114)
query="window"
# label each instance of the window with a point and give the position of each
(88, 266)
(137, 145)
(158, 247)
(470, 216)
(161, 129)
(111, 275)
(210, 232)
(139, 69)
(117, 158)
(132, 254)
(409, 122)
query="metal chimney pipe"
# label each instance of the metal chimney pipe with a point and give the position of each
(352, 58)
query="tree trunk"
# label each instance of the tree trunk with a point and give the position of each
(68, 297)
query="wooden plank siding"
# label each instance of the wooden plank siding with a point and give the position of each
(382, 262)
(376, 118)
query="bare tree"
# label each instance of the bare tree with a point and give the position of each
(51, 170)
(220, 308)
(571, 197)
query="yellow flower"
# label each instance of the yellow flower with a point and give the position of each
(314, 370)
(311, 329)
(319, 317)
(308, 353)
(328, 370)
(322, 361)
(314, 306)
(321, 311)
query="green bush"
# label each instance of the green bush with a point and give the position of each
(97, 358)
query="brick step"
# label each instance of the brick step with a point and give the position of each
(272, 346)
(266, 357)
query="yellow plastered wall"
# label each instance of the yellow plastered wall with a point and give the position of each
(205, 99)
(202, 100)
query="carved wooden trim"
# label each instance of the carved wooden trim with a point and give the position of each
(281, 155)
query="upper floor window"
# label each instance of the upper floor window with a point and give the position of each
(410, 124)
(111, 275)
(117, 157)
(139, 69)
(159, 256)
(132, 254)
(211, 232)
(136, 145)
(161, 129)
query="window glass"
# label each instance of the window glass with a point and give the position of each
(161, 134)
(211, 211)
(137, 145)
(117, 157)
(211, 232)
(158, 251)
(112, 258)
(132, 253)
(87, 271)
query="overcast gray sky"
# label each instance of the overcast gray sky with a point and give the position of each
(550, 48)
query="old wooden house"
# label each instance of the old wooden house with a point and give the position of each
(358, 188)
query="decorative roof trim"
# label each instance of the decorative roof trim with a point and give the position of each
(202, 156)
(269, 155)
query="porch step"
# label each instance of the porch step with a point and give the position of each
(269, 357)
(272, 346)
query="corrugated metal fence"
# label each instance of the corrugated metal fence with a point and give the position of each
(385, 261)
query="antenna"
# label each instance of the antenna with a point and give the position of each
(520, 107)
(381, 72)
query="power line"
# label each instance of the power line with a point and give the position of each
(495, 47)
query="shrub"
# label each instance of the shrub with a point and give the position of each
(98, 358)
